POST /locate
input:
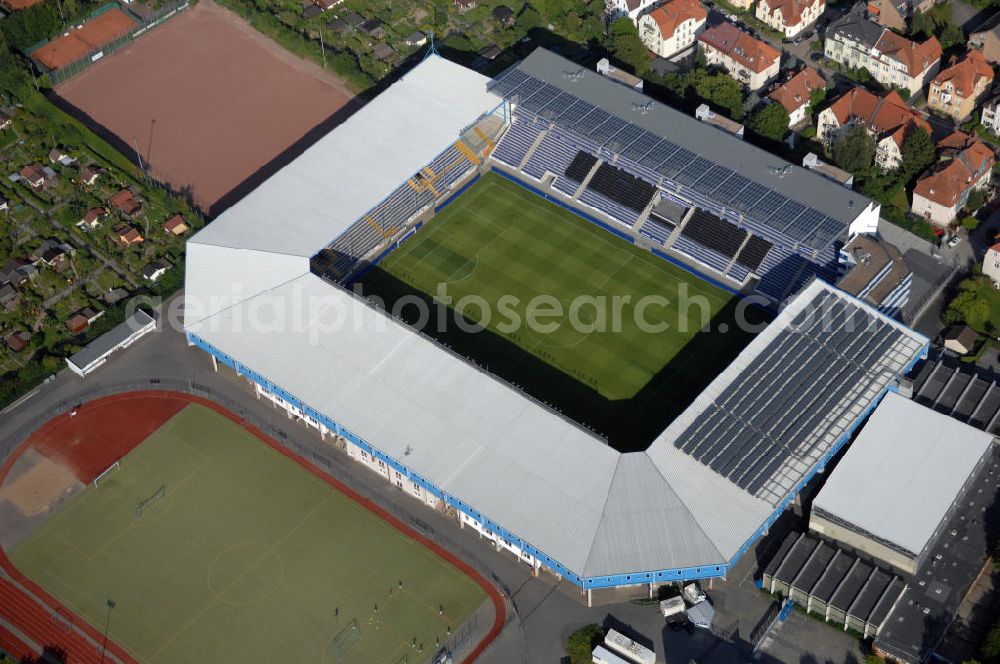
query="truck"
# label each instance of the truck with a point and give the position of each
(602, 655)
(632, 651)
(672, 606)
(693, 593)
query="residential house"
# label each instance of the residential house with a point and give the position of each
(383, 52)
(895, 14)
(628, 8)
(504, 16)
(965, 165)
(9, 297)
(874, 271)
(990, 117)
(338, 26)
(789, 17)
(354, 19)
(90, 173)
(5, 120)
(891, 59)
(17, 271)
(465, 5)
(957, 90)
(83, 319)
(52, 253)
(751, 62)
(4, 205)
(127, 236)
(34, 176)
(986, 38)
(795, 94)
(311, 10)
(991, 263)
(327, 5)
(415, 39)
(960, 339)
(17, 341)
(91, 219)
(673, 27)
(154, 270)
(59, 156)
(175, 225)
(888, 120)
(114, 296)
(374, 28)
(126, 202)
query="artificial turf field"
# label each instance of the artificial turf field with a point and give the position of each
(499, 239)
(248, 558)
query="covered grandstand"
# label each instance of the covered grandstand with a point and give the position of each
(649, 152)
(264, 296)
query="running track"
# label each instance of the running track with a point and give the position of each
(99, 434)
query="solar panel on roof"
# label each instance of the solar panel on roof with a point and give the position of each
(787, 214)
(624, 138)
(640, 147)
(657, 155)
(712, 179)
(748, 196)
(607, 129)
(693, 171)
(525, 89)
(539, 101)
(828, 230)
(730, 189)
(676, 162)
(766, 206)
(573, 113)
(507, 81)
(592, 120)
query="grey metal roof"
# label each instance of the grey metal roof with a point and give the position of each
(552, 86)
(110, 340)
(903, 473)
(858, 28)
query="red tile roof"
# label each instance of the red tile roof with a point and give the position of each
(958, 172)
(966, 74)
(887, 115)
(916, 57)
(796, 90)
(753, 54)
(672, 14)
(791, 10)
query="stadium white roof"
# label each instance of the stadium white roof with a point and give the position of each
(903, 472)
(250, 294)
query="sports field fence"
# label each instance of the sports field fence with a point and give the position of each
(143, 23)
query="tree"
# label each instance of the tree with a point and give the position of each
(969, 223)
(771, 122)
(969, 308)
(581, 643)
(951, 35)
(625, 44)
(921, 25)
(854, 151)
(721, 90)
(976, 200)
(918, 153)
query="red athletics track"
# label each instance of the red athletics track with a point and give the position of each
(102, 432)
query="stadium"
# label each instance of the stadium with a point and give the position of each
(269, 294)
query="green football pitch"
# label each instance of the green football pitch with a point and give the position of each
(598, 364)
(247, 558)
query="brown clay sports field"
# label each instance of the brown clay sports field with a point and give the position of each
(208, 102)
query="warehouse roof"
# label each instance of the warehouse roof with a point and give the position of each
(903, 473)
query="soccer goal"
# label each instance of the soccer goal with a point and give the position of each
(145, 503)
(346, 639)
(115, 466)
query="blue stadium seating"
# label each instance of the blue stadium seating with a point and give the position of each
(609, 207)
(700, 253)
(516, 142)
(552, 154)
(737, 272)
(656, 230)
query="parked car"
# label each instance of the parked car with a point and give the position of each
(955, 241)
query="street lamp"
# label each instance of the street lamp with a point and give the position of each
(107, 626)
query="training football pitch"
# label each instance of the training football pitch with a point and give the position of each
(499, 240)
(247, 558)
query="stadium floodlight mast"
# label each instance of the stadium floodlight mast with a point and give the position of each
(107, 627)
